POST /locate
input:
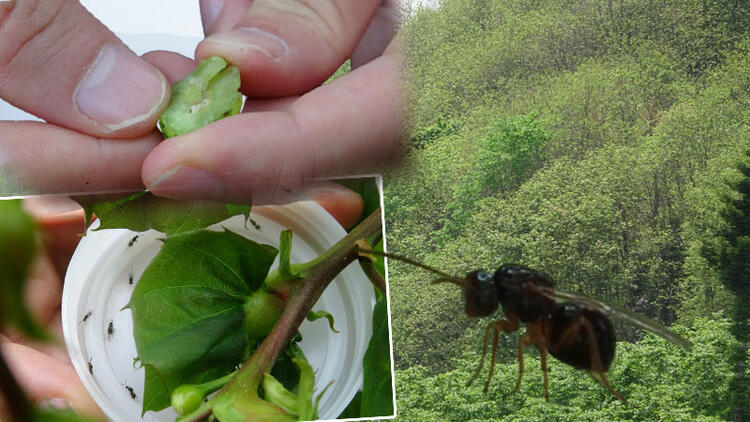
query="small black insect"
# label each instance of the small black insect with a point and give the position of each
(255, 224)
(130, 390)
(91, 367)
(110, 329)
(132, 241)
(130, 277)
(87, 316)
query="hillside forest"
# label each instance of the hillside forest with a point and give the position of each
(604, 142)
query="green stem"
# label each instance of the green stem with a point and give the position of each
(213, 385)
(321, 271)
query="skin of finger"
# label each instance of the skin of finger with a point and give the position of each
(43, 377)
(61, 222)
(43, 290)
(319, 35)
(231, 14)
(173, 65)
(379, 34)
(46, 47)
(347, 126)
(42, 158)
(342, 203)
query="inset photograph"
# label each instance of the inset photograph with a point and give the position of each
(572, 225)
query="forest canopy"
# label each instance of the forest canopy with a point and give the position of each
(603, 142)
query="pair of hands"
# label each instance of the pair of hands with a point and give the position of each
(101, 103)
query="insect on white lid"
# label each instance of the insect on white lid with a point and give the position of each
(97, 282)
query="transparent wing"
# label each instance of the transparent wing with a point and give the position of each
(618, 312)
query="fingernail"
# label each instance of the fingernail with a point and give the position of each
(55, 403)
(327, 194)
(119, 89)
(187, 182)
(251, 38)
(210, 10)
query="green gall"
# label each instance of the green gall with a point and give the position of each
(262, 311)
(209, 93)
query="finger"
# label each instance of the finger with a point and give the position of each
(63, 161)
(342, 203)
(43, 378)
(173, 65)
(61, 221)
(43, 290)
(343, 127)
(379, 34)
(221, 15)
(287, 47)
(60, 63)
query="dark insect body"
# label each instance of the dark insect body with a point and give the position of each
(86, 317)
(132, 241)
(130, 277)
(91, 367)
(577, 330)
(130, 390)
(110, 329)
(255, 224)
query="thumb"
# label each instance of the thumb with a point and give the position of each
(284, 47)
(60, 63)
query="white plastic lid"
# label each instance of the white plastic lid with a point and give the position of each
(97, 286)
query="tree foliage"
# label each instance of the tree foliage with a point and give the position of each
(598, 141)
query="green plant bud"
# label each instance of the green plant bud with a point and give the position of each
(207, 94)
(186, 398)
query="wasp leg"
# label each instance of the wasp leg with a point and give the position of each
(484, 353)
(506, 325)
(522, 342)
(543, 350)
(602, 379)
(496, 332)
(597, 369)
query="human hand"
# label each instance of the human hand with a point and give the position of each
(99, 99)
(292, 130)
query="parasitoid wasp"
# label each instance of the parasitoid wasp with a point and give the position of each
(575, 329)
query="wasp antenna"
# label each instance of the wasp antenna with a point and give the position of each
(446, 277)
(455, 280)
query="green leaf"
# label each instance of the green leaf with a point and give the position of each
(284, 369)
(353, 409)
(207, 94)
(17, 250)
(275, 393)
(377, 393)
(313, 316)
(307, 411)
(189, 309)
(234, 408)
(143, 211)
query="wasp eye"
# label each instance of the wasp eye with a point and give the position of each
(572, 310)
(483, 276)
